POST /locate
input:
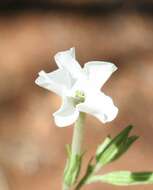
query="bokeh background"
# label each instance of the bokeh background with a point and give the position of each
(32, 148)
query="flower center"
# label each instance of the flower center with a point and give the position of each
(79, 97)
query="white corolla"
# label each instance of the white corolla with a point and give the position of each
(79, 88)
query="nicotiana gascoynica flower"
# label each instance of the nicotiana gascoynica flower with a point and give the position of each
(79, 88)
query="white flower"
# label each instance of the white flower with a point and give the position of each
(79, 88)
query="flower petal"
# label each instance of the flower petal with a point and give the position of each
(66, 60)
(67, 114)
(100, 106)
(98, 72)
(57, 81)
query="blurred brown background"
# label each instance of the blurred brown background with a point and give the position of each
(32, 148)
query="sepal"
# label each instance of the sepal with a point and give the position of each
(112, 149)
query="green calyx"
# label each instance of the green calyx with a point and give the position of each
(72, 169)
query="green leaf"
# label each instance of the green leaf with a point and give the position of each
(72, 168)
(123, 178)
(116, 147)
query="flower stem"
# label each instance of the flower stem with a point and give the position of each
(77, 142)
(78, 134)
(87, 176)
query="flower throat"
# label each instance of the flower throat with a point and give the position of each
(79, 97)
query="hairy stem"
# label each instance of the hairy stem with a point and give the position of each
(77, 142)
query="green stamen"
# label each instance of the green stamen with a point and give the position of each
(79, 97)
